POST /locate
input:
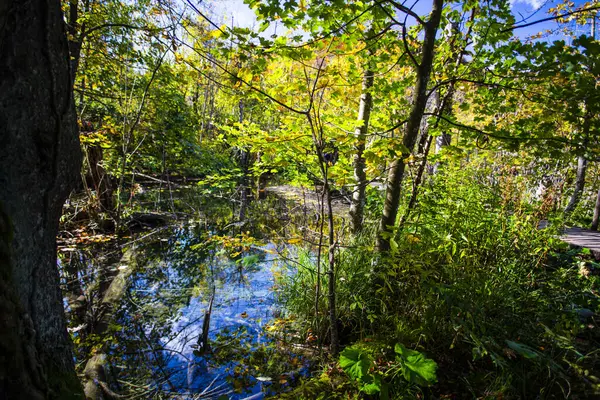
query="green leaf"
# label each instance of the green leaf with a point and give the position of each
(393, 245)
(522, 349)
(420, 370)
(250, 261)
(355, 363)
(371, 388)
(376, 385)
(416, 368)
(263, 26)
(404, 352)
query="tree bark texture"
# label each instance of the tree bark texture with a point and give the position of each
(99, 178)
(360, 176)
(418, 179)
(39, 164)
(596, 217)
(579, 184)
(411, 131)
(75, 32)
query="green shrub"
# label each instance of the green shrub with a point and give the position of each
(471, 279)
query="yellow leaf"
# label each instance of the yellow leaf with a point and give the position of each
(217, 33)
(413, 239)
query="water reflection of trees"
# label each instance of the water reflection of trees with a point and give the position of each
(170, 267)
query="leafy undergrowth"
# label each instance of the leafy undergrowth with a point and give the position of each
(503, 308)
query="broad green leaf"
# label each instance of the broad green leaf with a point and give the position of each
(420, 370)
(371, 388)
(376, 385)
(416, 368)
(404, 352)
(355, 363)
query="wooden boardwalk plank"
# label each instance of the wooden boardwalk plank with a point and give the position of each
(582, 238)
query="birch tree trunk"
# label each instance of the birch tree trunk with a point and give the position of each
(582, 164)
(360, 176)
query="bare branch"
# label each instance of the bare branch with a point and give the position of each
(496, 136)
(234, 75)
(408, 11)
(596, 7)
(99, 27)
(407, 48)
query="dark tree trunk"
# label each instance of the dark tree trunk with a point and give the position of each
(419, 101)
(39, 163)
(75, 37)
(100, 179)
(418, 179)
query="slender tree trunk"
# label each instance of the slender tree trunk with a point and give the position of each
(101, 180)
(579, 184)
(39, 164)
(445, 139)
(335, 340)
(444, 108)
(360, 176)
(596, 213)
(319, 253)
(244, 161)
(76, 33)
(442, 141)
(411, 131)
(75, 41)
(597, 206)
(128, 137)
(323, 166)
(418, 180)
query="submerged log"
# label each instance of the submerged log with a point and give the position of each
(95, 374)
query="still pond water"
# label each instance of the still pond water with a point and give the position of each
(175, 276)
